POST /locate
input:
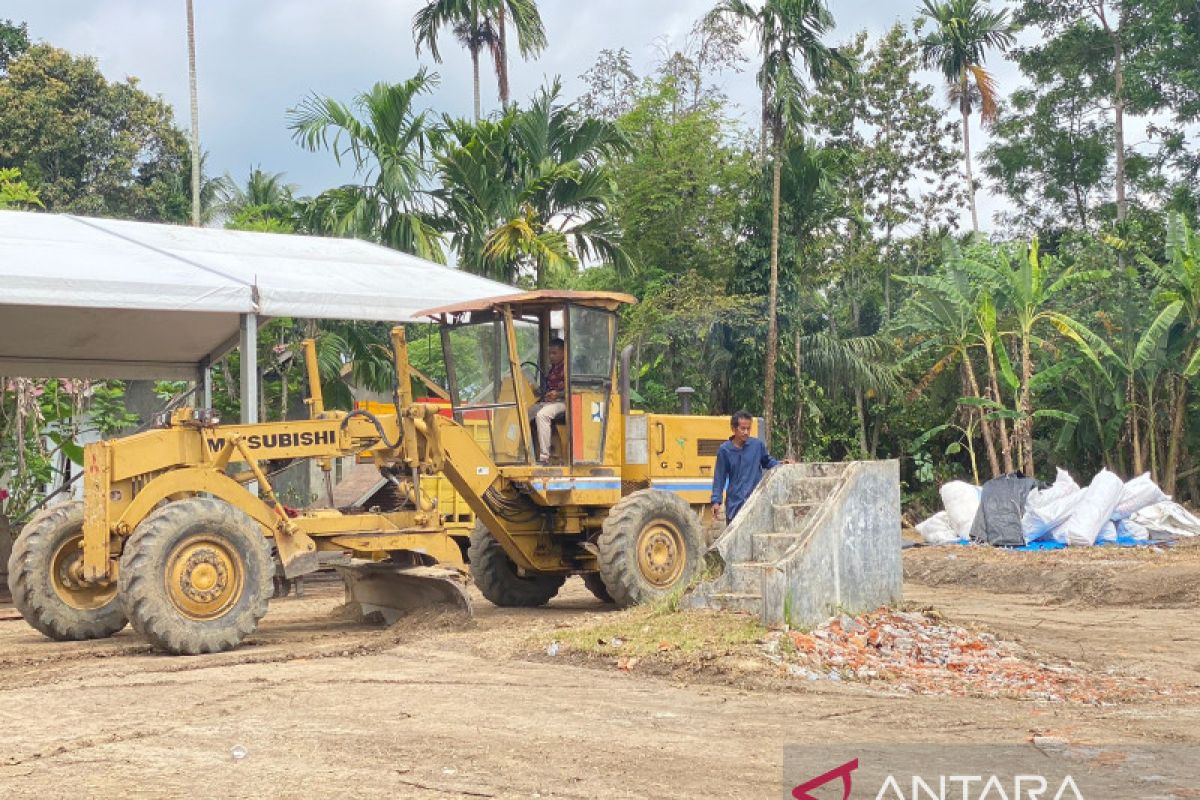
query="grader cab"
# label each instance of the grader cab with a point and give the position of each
(175, 531)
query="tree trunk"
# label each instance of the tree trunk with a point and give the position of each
(195, 109)
(1139, 462)
(1118, 109)
(1175, 442)
(1152, 432)
(861, 412)
(773, 292)
(502, 57)
(966, 125)
(1001, 425)
(1026, 421)
(766, 124)
(799, 451)
(475, 75)
(984, 424)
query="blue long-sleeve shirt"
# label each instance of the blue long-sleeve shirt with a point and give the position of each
(739, 469)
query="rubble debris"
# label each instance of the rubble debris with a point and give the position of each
(920, 653)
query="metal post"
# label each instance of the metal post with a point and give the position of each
(248, 345)
(206, 387)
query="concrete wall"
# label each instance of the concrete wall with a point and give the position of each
(814, 540)
(851, 559)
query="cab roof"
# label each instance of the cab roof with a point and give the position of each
(534, 301)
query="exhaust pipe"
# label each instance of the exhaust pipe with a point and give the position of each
(624, 378)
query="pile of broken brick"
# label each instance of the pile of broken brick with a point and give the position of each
(920, 653)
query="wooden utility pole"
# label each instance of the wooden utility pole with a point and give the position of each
(191, 40)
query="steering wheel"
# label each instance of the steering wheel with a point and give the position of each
(537, 371)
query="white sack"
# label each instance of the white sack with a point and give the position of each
(1108, 533)
(961, 501)
(1128, 529)
(1170, 518)
(1095, 507)
(1137, 494)
(938, 529)
(1048, 508)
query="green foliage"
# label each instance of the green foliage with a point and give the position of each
(14, 41)
(15, 192)
(42, 426)
(681, 184)
(88, 145)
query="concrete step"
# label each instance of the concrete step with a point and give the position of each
(809, 491)
(823, 469)
(746, 576)
(737, 601)
(790, 517)
(770, 547)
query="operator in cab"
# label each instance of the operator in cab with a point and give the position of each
(551, 399)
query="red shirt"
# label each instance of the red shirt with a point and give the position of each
(555, 380)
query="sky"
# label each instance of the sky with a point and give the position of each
(257, 58)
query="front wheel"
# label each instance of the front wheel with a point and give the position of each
(45, 579)
(196, 576)
(496, 575)
(650, 547)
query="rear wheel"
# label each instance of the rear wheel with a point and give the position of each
(196, 577)
(650, 547)
(496, 575)
(45, 579)
(595, 584)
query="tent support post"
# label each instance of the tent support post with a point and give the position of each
(248, 344)
(204, 379)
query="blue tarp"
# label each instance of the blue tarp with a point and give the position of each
(1122, 541)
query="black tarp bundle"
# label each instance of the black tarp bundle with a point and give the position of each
(1001, 506)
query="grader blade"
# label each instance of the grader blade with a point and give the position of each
(395, 591)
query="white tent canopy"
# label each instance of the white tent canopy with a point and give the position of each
(83, 297)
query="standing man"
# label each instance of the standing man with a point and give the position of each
(740, 465)
(550, 402)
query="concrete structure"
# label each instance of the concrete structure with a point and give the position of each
(813, 541)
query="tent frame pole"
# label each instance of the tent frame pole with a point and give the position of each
(248, 344)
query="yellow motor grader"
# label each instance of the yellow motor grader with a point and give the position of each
(179, 529)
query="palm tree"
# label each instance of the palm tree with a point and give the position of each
(957, 47)
(261, 189)
(195, 108)
(386, 139)
(531, 35)
(530, 191)
(265, 203)
(470, 24)
(789, 37)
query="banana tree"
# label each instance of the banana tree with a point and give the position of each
(1029, 291)
(944, 316)
(1179, 289)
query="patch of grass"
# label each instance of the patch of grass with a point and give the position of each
(649, 630)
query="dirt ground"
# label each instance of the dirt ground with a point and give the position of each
(438, 708)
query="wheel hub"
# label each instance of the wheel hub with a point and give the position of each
(204, 578)
(67, 578)
(661, 553)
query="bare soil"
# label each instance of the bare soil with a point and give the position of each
(440, 707)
